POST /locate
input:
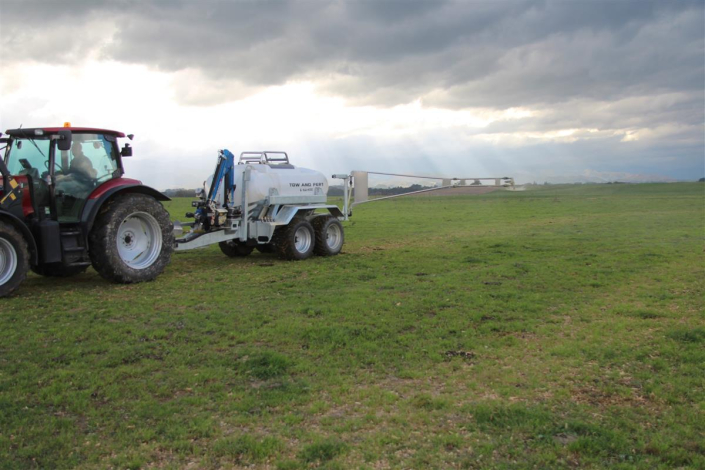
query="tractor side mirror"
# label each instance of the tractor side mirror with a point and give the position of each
(126, 151)
(64, 142)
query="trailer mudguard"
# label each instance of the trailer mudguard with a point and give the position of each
(285, 214)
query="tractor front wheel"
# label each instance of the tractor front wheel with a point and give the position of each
(14, 259)
(132, 239)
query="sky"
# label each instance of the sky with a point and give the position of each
(535, 90)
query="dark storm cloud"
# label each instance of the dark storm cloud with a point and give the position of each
(452, 54)
(609, 65)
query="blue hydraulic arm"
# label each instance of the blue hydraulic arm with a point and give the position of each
(224, 172)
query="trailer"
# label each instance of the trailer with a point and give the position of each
(263, 202)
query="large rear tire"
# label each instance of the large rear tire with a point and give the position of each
(295, 241)
(235, 249)
(14, 259)
(132, 239)
(329, 235)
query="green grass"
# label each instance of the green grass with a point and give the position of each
(556, 327)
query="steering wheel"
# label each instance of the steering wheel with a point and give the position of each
(25, 164)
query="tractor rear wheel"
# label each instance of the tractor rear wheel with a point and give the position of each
(329, 235)
(235, 249)
(14, 259)
(58, 270)
(295, 241)
(132, 239)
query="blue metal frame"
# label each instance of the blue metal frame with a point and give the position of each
(224, 172)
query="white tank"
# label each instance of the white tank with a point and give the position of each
(298, 185)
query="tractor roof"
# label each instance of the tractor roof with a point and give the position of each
(40, 131)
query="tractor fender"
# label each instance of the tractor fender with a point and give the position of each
(101, 195)
(26, 233)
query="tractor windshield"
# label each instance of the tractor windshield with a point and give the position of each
(26, 155)
(92, 156)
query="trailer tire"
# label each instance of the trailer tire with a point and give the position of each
(58, 270)
(295, 241)
(235, 249)
(329, 235)
(132, 239)
(14, 259)
(265, 248)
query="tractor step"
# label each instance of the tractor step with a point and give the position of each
(79, 263)
(75, 253)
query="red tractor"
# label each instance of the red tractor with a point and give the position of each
(64, 205)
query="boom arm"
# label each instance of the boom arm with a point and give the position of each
(207, 214)
(223, 174)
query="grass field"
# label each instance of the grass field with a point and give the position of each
(557, 327)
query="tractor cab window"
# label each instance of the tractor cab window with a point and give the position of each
(29, 157)
(91, 161)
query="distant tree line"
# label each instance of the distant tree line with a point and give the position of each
(180, 192)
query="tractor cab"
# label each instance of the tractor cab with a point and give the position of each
(63, 166)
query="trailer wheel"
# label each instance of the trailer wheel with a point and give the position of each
(132, 239)
(235, 249)
(329, 235)
(58, 270)
(265, 248)
(295, 241)
(14, 259)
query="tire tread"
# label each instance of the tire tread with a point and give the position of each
(320, 227)
(284, 238)
(102, 239)
(9, 232)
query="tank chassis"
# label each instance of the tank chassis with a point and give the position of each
(263, 202)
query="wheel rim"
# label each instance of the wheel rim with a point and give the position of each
(302, 240)
(8, 261)
(139, 240)
(334, 236)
